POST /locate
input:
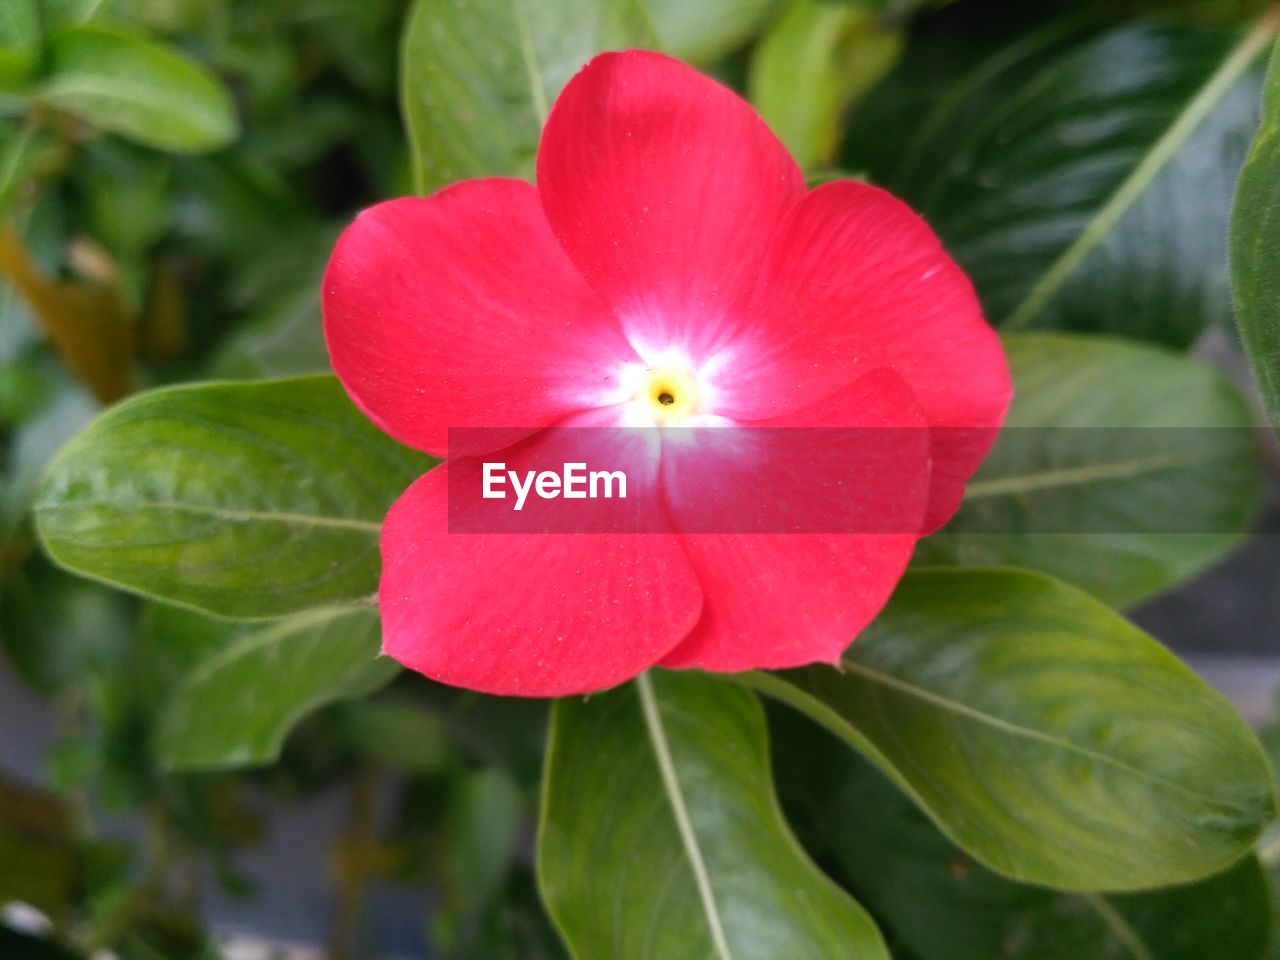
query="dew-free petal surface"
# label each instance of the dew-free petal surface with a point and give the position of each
(461, 310)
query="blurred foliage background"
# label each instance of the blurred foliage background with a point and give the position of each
(172, 176)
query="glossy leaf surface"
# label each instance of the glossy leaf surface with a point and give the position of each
(945, 906)
(1045, 735)
(1122, 469)
(1087, 186)
(661, 834)
(478, 77)
(244, 500)
(253, 682)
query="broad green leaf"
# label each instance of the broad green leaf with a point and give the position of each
(241, 499)
(812, 65)
(478, 76)
(19, 41)
(254, 682)
(140, 89)
(1049, 738)
(661, 835)
(944, 906)
(1072, 490)
(1089, 188)
(703, 32)
(1255, 247)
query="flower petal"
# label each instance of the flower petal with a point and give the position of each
(781, 600)
(855, 281)
(664, 187)
(461, 310)
(522, 614)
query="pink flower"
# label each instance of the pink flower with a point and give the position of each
(669, 269)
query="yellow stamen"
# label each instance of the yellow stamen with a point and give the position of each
(671, 394)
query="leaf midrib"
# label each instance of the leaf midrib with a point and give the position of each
(1029, 733)
(529, 54)
(1078, 476)
(1129, 938)
(220, 513)
(1147, 169)
(684, 825)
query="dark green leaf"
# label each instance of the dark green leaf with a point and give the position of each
(252, 683)
(478, 77)
(245, 500)
(946, 907)
(1090, 190)
(148, 92)
(1255, 247)
(1045, 735)
(661, 836)
(1067, 460)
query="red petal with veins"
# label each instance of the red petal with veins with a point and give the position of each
(543, 615)
(782, 600)
(462, 310)
(664, 187)
(854, 281)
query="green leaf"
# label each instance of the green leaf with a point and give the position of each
(123, 83)
(1255, 247)
(1071, 490)
(1045, 735)
(241, 499)
(1090, 189)
(254, 682)
(19, 41)
(811, 66)
(661, 836)
(478, 77)
(944, 906)
(705, 31)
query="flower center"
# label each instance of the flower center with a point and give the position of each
(669, 394)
